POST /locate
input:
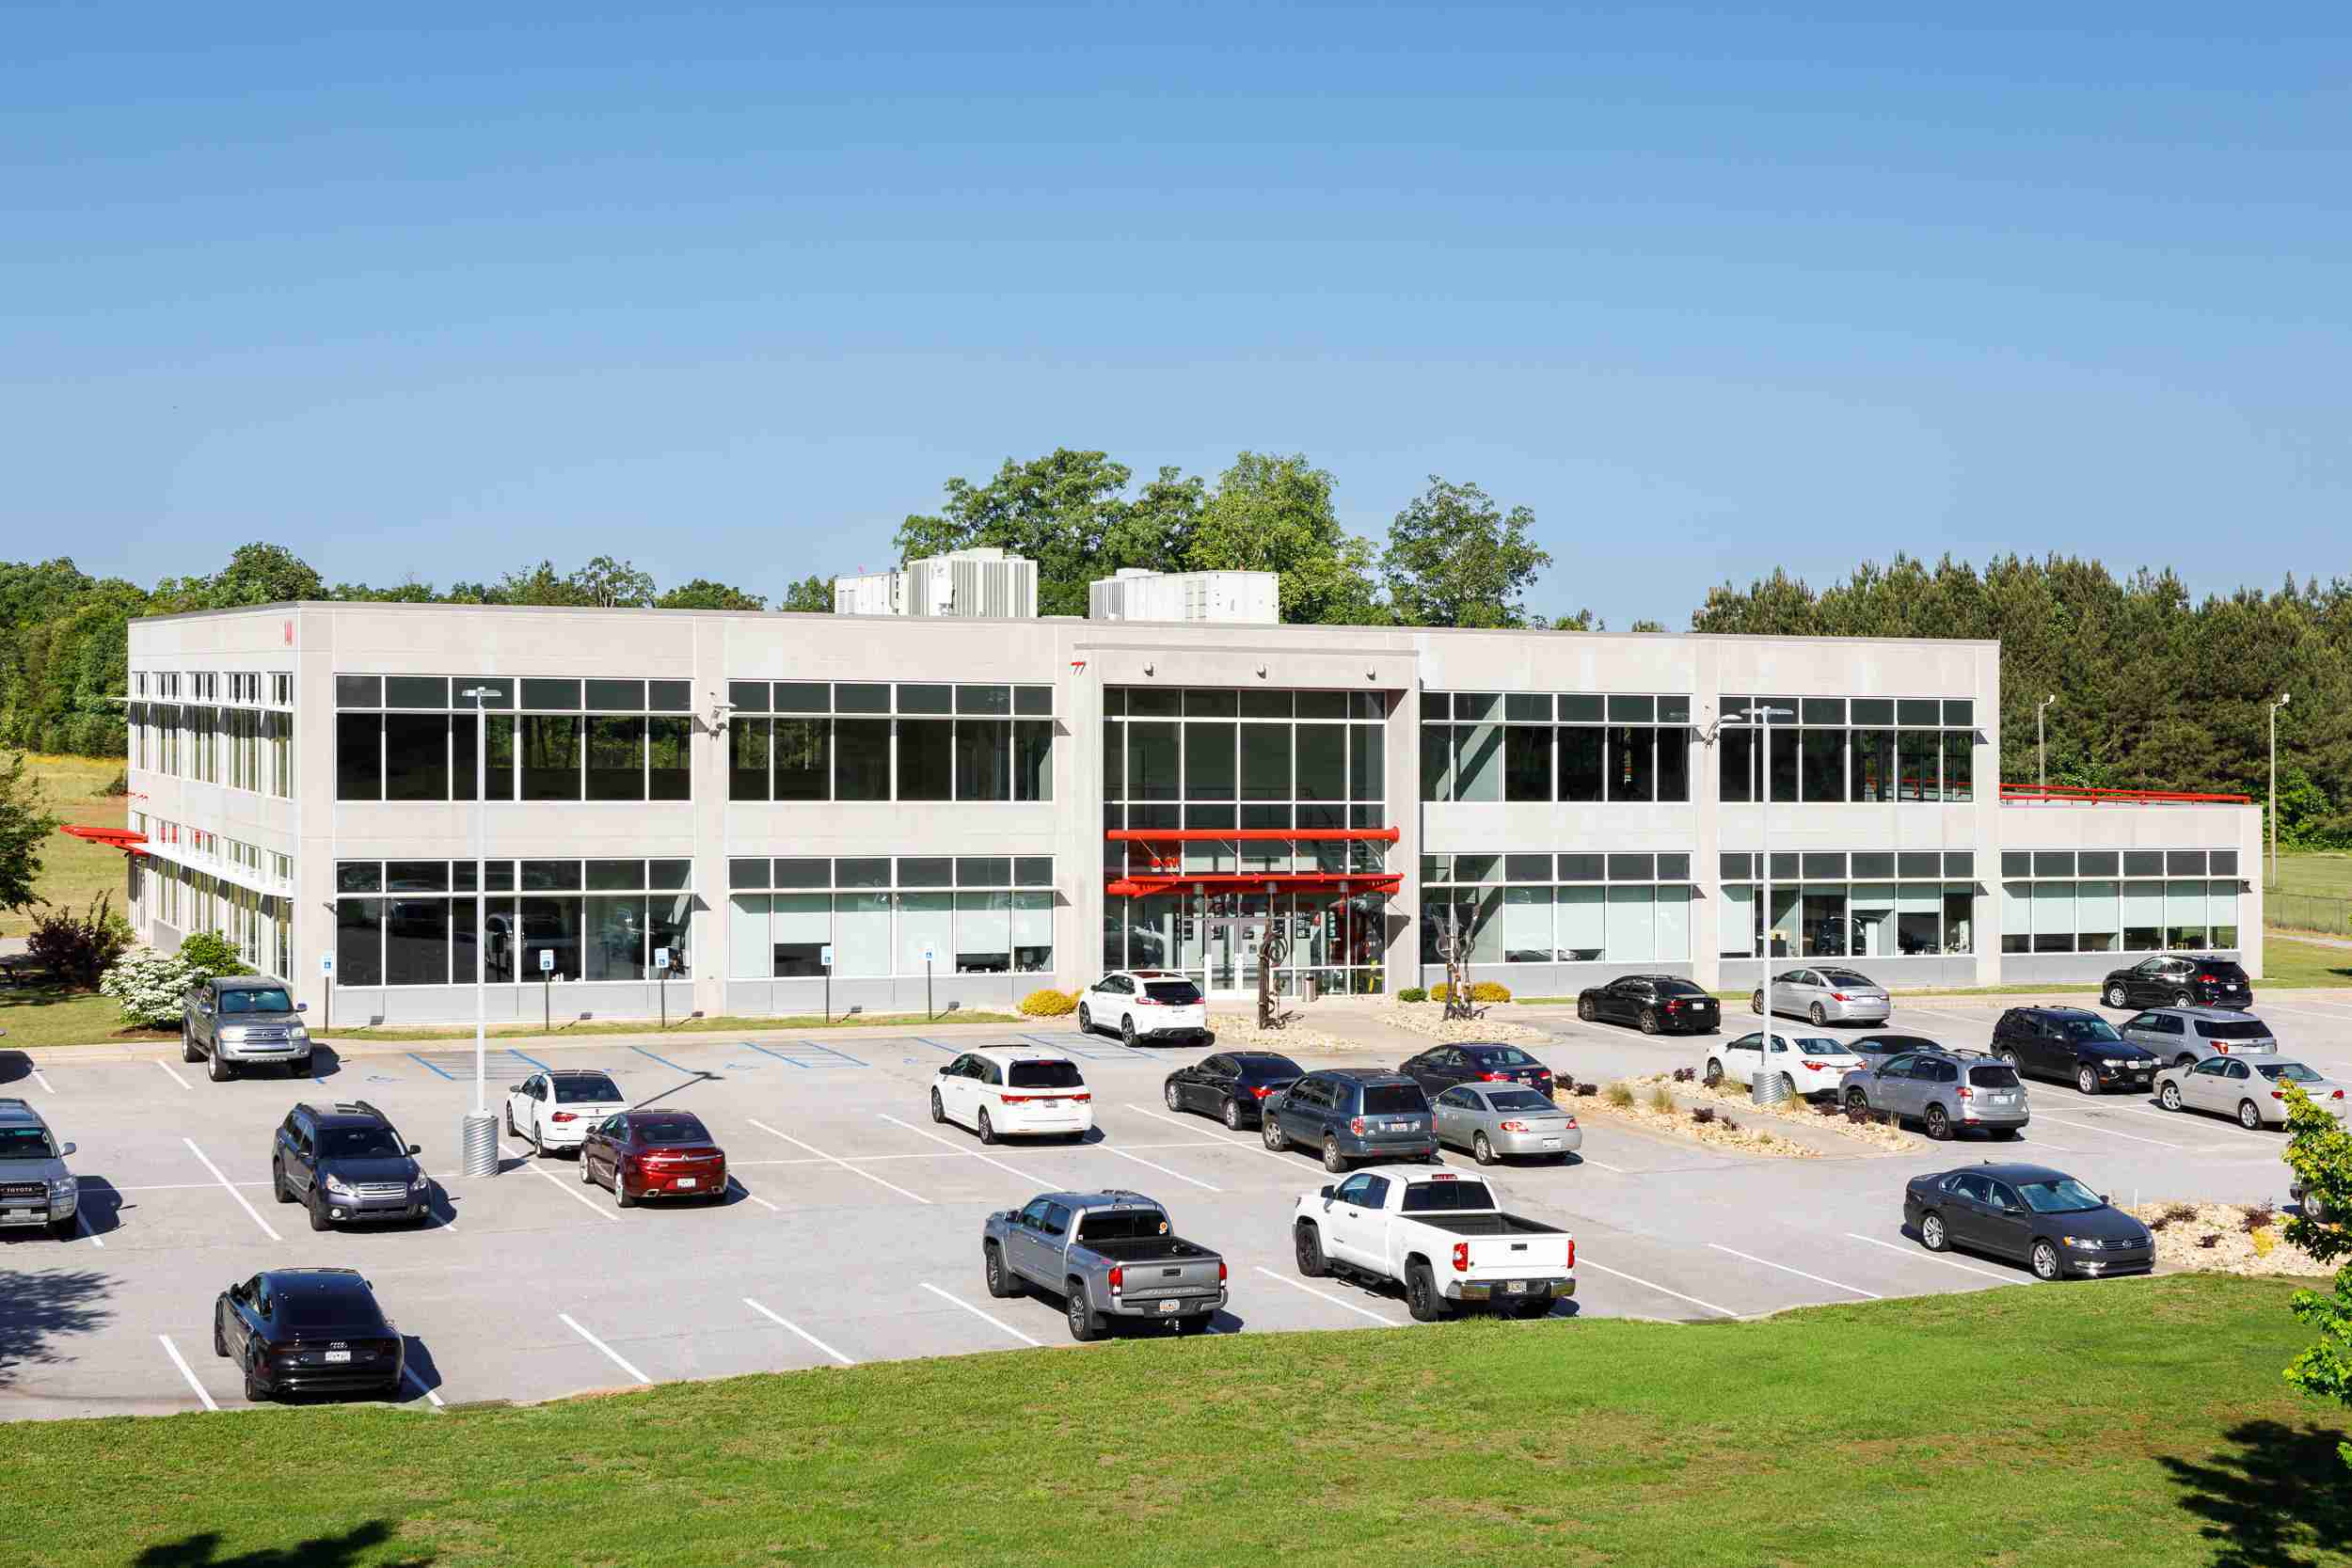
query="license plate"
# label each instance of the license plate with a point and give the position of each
(686, 1180)
(1515, 1288)
(335, 1355)
(1170, 1305)
(1551, 1143)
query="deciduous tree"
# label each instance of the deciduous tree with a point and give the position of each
(1454, 559)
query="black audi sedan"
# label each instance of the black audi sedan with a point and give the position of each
(308, 1331)
(1659, 1003)
(2037, 1216)
(1231, 1085)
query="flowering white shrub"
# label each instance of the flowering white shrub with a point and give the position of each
(151, 987)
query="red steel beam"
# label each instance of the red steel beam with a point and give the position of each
(1252, 835)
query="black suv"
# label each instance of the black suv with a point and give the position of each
(2073, 1044)
(1351, 1115)
(346, 1163)
(2168, 981)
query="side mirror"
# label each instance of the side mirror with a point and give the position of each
(1327, 1191)
(2105, 1199)
(416, 1148)
(64, 1151)
(302, 1006)
(2014, 1209)
(204, 1010)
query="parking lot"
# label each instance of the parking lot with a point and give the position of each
(851, 1232)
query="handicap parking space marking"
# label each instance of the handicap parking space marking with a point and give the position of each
(833, 1159)
(1854, 1290)
(1926, 1256)
(984, 1317)
(569, 1192)
(689, 1071)
(786, 1323)
(185, 1370)
(1382, 1320)
(807, 1054)
(175, 1077)
(934, 1045)
(242, 1201)
(382, 1078)
(612, 1355)
(430, 1067)
(1586, 1261)
(532, 1060)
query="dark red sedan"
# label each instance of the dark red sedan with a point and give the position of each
(654, 1154)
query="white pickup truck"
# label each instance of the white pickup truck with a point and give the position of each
(1440, 1235)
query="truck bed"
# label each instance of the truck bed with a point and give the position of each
(1148, 1249)
(1485, 1225)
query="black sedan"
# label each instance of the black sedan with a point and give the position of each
(1231, 1085)
(1661, 1003)
(1439, 1068)
(2041, 1217)
(308, 1331)
(2169, 981)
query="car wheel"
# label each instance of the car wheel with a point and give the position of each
(2170, 1097)
(187, 1045)
(2086, 1080)
(2117, 998)
(2250, 1115)
(2185, 1063)
(1755, 1001)
(1939, 1125)
(620, 1190)
(1585, 1010)
(1085, 1018)
(1271, 1135)
(1175, 1100)
(1084, 1324)
(1857, 1100)
(216, 1068)
(318, 1213)
(939, 1109)
(1819, 1014)
(255, 1391)
(1714, 1073)
(1333, 1161)
(1232, 1114)
(220, 1339)
(1481, 1150)
(1650, 1021)
(1127, 1033)
(988, 1129)
(1420, 1295)
(1931, 1232)
(1307, 1243)
(2046, 1262)
(587, 1168)
(2183, 998)
(2014, 1065)
(538, 1144)
(278, 1184)
(1001, 1280)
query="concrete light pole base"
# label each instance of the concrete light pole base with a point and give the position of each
(1766, 1087)
(481, 1143)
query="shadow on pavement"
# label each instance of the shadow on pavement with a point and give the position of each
(42, 1306)
(2281, 1499)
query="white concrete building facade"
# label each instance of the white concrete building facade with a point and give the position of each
(963, 810)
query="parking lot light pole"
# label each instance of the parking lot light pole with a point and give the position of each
(480, 1141)
(1763, 1086)
(2273, 811)
(2040, 744)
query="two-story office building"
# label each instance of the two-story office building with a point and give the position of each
(805, 810)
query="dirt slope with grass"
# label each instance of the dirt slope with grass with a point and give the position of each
(2057, 1426)
(72, 872)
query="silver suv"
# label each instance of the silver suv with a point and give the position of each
(2182, 1037)
(35, 1186)
(1946, 1091)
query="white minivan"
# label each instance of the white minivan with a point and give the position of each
(1009, 1093)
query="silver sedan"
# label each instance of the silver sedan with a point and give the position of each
(2247, 1087)
(1826, 996)
(1501, 1120)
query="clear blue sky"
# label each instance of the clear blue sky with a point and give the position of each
(730, 290)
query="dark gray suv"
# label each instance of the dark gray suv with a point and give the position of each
(1350, 1115)
(346, 1163)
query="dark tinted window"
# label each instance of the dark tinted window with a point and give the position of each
(267, 1000)
(2085, 1029)
(327, 1308)
(1498, 1056)
(2231, 1029)
(2000, 1077)
(25, 1143)
(1519, 1099)
(1121, 1224)
(1679, 988)
(1172, 993)
(1389, 1099)
(1045, 1075)
(2221, 971)
(671, 1130)
(1267, 1066)
(358, 1143)
(1438, 1198)
(574, 1091)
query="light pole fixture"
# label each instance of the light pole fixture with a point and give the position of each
(1764, 1087)
(2040, 744)
(480, 1141)
(2273, 811)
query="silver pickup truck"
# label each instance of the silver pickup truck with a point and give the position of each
(1107, 1255)
(243, 1020)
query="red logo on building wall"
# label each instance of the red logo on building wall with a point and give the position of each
(290, 634)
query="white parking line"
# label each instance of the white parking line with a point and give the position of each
(1783, 1268)
(1971, 1023)
(834, 1160)
(46, 1087)
(175, 1077)
(1250, 1143)
(2174, 1116)
(1584, 1263)
(1162, 1169)
(982, 1316)
(753, 1196)
(410, 1373)
(82, 1220)
(787, 1323)
(2110, 1131)
(1325, 1295)
(179, 1361)
(612, 1355)
(975, 1153)
(579, 1198)
(232, 1191)
(1934, 1258)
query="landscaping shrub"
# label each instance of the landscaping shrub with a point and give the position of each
(2210, 1239)
(211, 952)
(2261, 1218)
(1703, 1114)
(149, 986)
(1587, 1091)
(2264, 1241)
(1685, 1074)
(122, 785)
(1729, 1125)
(77, 949)
(1621, 1096)
(1490, 990)
(1661, 1102)
(1415, 993)
(1049, 1003)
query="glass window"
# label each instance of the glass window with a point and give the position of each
(1265, 762)
(551, 757)
(747, 697)
(1872, 910)
(861, 934)
(416, 691)
(1960, 766)
(984, 700)
(983, 932)
(550, 876)
(1520, 709)
(619, 696)
(356, 692)
(1633, 925)
(863, 871)
(1960, 917)
(1871, 763)
(551, 695)
(861, 759)
(2099, 917)
(925, 920)
(1209, 759)
(1436, 762)
(1735, 924)
(615, 876)
(1918, 907)
(796, 697)
(616, 947)
(1582, 766)
(747, 937)
(926, 871)
(669, 749)
(499, 777)
(1919, 764)
(2221, 912)
(1637, 710)
(1477, 762)
(1475, 705)
(552, 926)
(925, 698)
(2053, 917)
(1674, 763)
(798, 933)
(1154, 766)
(802, 758)
(1032, 759)
(1673, 938)
(1523, 868)
(1735, 764)
(2143, 914)
(1826, 935)
(1321, 753)
(1631, 761)
(1919, 710)
(616, 757)
(358, 756)
(1526, 925)
(1632, 868)
(358, 941)
(1582, 708)
(1823, 757)
(747, 758)
(983, 759)
(1367, 761)
(1780, 755)
(2184, 914)
(1032, 932)
(2052, 863)
(925, 759)
(1526, 763)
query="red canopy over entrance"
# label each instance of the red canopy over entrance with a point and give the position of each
(125, 839)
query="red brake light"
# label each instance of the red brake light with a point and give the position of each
(1461, 1258)
(1258, 1091)
(562, 1115)
(2338, 1095)
(1078, 1097)
(1840, 996)
(2276, 1095)
(1968, 1093)
(1673, 1006)
(1571, 1252)
(1813, 1067)
(1513, 1125)
(1494, 1077)
(1220, 1271)
(1118, 1277)
(1571, 1124)
(1356, 1126)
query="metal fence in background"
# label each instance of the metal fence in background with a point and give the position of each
(2307, 912)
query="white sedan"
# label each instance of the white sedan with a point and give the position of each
(1012, 1093)
(2252, 1089)
(1810, 1064)
(554, 1110)
(1146, 1005)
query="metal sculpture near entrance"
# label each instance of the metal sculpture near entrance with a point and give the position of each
(1454, 950)
(1272, 952)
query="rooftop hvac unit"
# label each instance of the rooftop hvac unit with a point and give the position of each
(1228, 598)
(984, 583)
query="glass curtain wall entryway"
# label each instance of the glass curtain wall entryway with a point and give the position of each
(1336, 940)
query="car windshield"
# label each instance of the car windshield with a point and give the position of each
(1679, 988)
(1502, 1055)
(2086, 1029)
(1997, 1077)
(1444, 1196)
(2231, 1029)
(358, 1143)
(340, 1307)
(1122, 1225)
(1519, 1100)
(2064, 1195)
(592, 1090)
(25, 1143)
(1172, 993)
(2288, 1073)
(267, 999)
(671, 1130)
(1044, 1075)
(1268, 1067)
(1389, 1099)
(1846, 977)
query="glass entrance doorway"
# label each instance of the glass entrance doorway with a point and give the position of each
(1232, 953)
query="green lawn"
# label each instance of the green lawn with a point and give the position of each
(48, 1016)
(2137, 1423)
(2323, 871)
(677, 1026)
(72, 872)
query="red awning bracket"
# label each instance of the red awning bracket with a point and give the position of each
(1249, 836)
(1282, 881)
(126, 839)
